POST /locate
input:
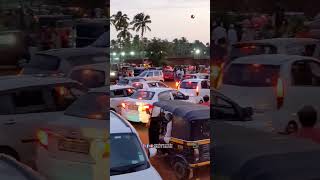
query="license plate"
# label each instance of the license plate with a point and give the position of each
(71, 145)
(133, 107)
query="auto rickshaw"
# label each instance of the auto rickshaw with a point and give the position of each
(190, 135)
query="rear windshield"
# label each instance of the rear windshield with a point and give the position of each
(89, 78)
(188, 85)
(251, 75)
(45, 62)
(143, 95)
(91, 106)
(241, 50)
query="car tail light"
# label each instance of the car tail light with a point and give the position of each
(123, 105)
(280, 93)
(177, 84)
(106, 151)
(147, 107)
(197, 91)
(43, 138)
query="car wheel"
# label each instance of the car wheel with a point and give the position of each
(292, 127)
(10, 152)
(181, 170)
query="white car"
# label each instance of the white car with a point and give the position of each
(196, 76)
(152, 75)
(195, 87)
(129, 159)
(27, 102)
(76, 142)
(91, 76)
(118, 94)
(275, 86)
(138, 107)
(61, 61)
(290, 46)
(149, 84)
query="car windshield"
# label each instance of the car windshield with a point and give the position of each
(143, 95)
(44, 62)
(127, 154)
(91, 106)
(89, 78)
(188, 85)
(253, 75)
(242, 50)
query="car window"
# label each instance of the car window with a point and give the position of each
(44, 62)
(251, 75)
(241, 50)
(64, 96)
(222, 109)
(162, 85)
(89, 78)
(117, 93)
(188, 85)
(156, 73)
(152, 85)
(164, 96)
(91, 106)
(143, 74)
(150, 74)
(6, 105)
(29, 101)
(178, 95)
(205, 85)
(301, 74)
(143, 95)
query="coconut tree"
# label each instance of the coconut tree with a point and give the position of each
(119, 20)
(140, 23)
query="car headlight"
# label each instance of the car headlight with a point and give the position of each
(112, 73)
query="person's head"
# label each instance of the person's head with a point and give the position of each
(206, 98)
(307, 116)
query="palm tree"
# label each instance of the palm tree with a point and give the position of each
(140, 23)
(119, 20)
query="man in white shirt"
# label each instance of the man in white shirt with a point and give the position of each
(232, 35)
(218, 33)
(167, 136)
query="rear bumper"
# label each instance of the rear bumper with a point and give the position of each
(58, 169)
(135, 116)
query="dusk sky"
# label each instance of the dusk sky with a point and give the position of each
(170, 18)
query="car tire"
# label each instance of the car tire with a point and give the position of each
(292, 127)
(10, 152)
(181, 169)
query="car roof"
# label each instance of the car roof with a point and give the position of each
(281, 41)
(156, 90)
(195, 80)
(64, 53)
(118, 124)
(269, 59)
(96, 66)
(113, 87)
(21, 81)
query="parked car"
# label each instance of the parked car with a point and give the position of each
(193, 76)
(27, 102)
(14, 170)
(75, 143)
(125, 142)
(152, 75)
(275, 86)
(61, 61)
(149, 84)
(195, 87)
(118, 93)
(168, 74)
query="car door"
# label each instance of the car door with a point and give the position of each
(204, 88)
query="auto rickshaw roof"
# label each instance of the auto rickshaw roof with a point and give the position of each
(170, 105)
(193, 112)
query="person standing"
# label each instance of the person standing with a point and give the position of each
(218, 33)
(232, 35)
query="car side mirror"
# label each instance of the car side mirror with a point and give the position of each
(247, 113)
(152, 152)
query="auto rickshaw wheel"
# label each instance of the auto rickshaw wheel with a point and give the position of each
(181, 169)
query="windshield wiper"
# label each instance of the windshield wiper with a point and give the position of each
(126, 169)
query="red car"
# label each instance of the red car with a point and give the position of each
(168, 75)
